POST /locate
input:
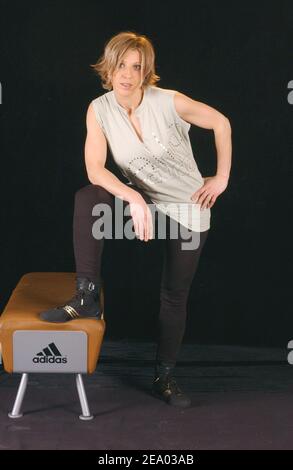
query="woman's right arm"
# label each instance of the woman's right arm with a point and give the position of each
(95, 159)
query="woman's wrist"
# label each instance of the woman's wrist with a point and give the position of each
(222, 176)
(133, 196)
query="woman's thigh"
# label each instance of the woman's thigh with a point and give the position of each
(104, 210)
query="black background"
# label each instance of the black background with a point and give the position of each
(234, 56)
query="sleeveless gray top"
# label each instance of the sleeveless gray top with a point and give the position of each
(163, 164)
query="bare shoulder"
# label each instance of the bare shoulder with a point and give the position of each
(93, 124)
(180, 100)
(90, 114)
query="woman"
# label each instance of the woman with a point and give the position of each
(146, 128)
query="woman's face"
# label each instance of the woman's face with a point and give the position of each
(128, 73)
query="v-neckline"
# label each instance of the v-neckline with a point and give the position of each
(136, 133)
(137, 111)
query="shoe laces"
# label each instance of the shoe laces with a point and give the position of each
(172, 385)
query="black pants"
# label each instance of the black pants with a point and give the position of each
(178, 269)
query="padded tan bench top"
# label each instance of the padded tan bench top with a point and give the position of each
(40, 291)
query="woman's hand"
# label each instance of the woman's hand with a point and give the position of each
(213, 186)
(142, 218)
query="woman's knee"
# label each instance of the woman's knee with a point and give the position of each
(92, 193)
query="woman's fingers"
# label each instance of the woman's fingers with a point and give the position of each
(150, 232)
(141, 230)
(138, 222)
(212, 201)
(145, 223)
(202, 196)
(149, 222)
(135, 224)
(142, 221)
(205, 201)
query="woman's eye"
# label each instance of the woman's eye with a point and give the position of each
(137, 66)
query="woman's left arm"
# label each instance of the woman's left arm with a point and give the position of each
(202, 115)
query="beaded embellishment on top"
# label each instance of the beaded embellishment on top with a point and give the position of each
(154, 170)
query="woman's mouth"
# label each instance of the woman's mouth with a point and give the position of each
(126, 85)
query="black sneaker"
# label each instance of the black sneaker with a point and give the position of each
(85, 304)
(165, 387)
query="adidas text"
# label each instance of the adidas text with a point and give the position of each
(50, 360)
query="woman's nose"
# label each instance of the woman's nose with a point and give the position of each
(126, 73)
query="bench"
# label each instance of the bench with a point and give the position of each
(30, 345)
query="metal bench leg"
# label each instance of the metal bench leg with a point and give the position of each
(86, 415)
(15, 413)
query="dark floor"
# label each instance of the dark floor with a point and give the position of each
(242, 399)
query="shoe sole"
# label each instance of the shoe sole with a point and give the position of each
(98, 316)
(165, 400)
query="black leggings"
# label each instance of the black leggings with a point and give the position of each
(178, 269)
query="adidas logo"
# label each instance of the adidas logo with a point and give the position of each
(50, 355)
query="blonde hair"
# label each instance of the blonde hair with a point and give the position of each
(116, 47)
